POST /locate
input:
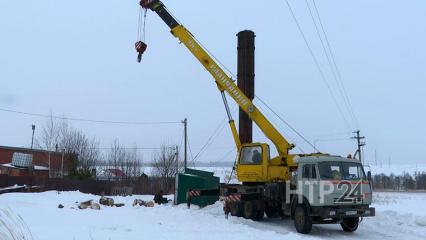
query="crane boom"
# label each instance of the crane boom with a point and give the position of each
(223, 81)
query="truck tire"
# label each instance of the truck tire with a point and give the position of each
(259, 215)
(302, 220)
(249, 210)
(237, 209)
(252, 211)
(271, 212)
(350, 224)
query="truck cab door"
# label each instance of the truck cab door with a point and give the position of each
(310, 183)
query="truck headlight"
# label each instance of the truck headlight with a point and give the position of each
(367, 212)
(332, 213)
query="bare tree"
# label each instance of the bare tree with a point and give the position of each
(126, 160)
(133, 166)
(51, 134)
(166, 165)
(87, 150)
(82, 153)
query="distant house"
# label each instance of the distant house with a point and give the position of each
(16, 161)
(111, 174)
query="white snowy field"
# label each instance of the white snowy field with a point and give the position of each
(399, 216)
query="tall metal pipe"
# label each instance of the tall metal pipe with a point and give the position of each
(246, 76)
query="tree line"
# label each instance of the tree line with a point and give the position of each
(85, 160)
(405, 181)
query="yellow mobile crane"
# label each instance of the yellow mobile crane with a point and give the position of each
(281, 185)
(275, 169)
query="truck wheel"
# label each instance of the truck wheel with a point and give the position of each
(302, 220)
(271, 212)
(236, 209)
(350, 224)
(259, 215)
(249, 210)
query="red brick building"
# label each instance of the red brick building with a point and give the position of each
(45, 163)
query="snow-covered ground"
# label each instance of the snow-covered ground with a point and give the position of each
(399, 216)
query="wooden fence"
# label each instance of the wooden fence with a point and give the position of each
(147, 185)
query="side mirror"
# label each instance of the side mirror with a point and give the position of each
(369, 176)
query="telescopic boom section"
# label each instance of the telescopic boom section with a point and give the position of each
(223, 81)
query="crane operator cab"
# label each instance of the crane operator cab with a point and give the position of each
(253, 161)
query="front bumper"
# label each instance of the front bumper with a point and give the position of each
(343, 212)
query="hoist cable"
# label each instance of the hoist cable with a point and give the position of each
(286, 123)
(138, 38)
(141, 24)
(144, 24)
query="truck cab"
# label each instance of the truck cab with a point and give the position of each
(329, 189)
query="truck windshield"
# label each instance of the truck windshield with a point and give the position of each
(341, 171)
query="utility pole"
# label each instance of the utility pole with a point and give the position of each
(375, 157)
(177, 159)
(32, 138)
(185, 150)
(360, 144)
(62, 163)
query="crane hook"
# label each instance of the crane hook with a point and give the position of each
(140, 48)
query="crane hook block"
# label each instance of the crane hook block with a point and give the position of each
(140, 48)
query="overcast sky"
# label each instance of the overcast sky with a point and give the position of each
(76, 59)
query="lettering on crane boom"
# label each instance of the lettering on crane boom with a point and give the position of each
(222, 78)
(232, 89)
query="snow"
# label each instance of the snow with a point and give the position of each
(399, 216)
(16, 186)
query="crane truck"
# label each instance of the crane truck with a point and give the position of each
(309, 188)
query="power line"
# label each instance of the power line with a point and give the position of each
(87, 120)
(215, 134)
(281, 129)
(329, 134)
(190, 152)
(110, 148)
(327, 140)
(225, 155)
(286, 123)
(329, 61)
(218, 129)
(317, 64)
(339, 75)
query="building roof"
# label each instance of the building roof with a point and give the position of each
(28, 149)
(37, 168)
(116, 172)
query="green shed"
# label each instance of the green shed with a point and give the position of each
(199, 180)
